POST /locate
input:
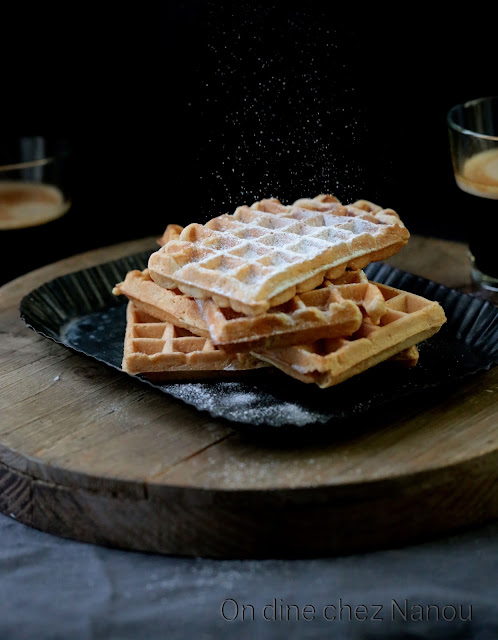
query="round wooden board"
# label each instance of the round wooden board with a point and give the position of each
(90, 454)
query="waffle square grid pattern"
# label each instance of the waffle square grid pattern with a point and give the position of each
(408, 320)
(261, 256)
(162, 350)
(329, 311)
(332, 310)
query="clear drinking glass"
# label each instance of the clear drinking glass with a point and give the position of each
(33, 191)
(473, 132)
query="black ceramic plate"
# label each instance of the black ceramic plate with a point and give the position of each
(79, 311)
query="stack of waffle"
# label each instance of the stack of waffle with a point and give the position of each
(274, 285)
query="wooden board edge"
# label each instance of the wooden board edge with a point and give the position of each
(237, 528)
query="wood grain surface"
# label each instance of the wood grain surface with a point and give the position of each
(90, 454)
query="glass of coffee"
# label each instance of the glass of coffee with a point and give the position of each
(473, 131)
(32, 189)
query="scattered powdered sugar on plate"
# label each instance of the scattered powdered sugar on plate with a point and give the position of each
(244, 403)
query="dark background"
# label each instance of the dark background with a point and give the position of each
(185, 112)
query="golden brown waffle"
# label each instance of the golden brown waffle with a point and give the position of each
(307, 316)
(165, 304)
(326, 312)
(261, 256)
(407, 358)
(172, 232)
(162, 351)
(356, 286)
(408, 320)
(330, 204)
(331, 311)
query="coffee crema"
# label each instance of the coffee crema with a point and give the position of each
(29, 204)
(479, 175)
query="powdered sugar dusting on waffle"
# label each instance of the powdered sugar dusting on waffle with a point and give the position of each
(250, 257)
